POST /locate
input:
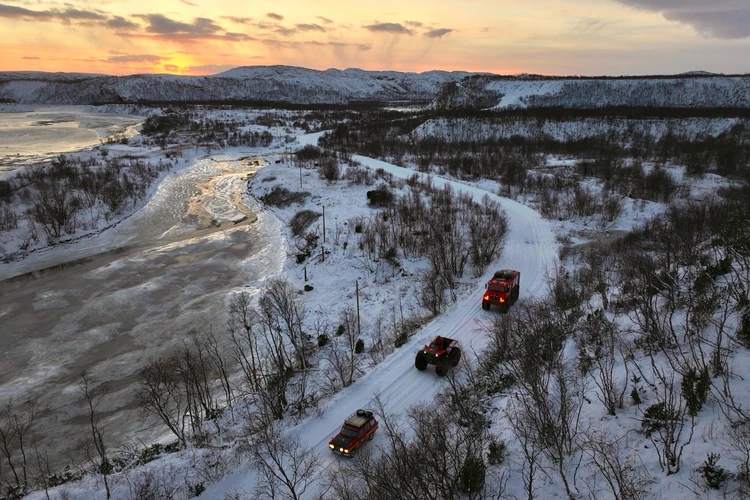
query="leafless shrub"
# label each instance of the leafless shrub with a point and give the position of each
(286, 464)
(604, 452)
(282, 197)
(341, 352)
(665, 421)
(598, 344)
(329, 169)
(432, 292)
(736, 442)
(8, 218)
(302, 220)
(151, 483)
(487, 226)
(359, 175)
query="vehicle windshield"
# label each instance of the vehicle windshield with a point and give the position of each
(348, 432)
(498, 288)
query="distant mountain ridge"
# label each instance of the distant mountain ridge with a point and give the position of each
(286, 84)
(446, 90)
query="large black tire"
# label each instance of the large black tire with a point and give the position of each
(485, 305)
(371, 437)
(442, 367)
(455, 356)
(420, 361)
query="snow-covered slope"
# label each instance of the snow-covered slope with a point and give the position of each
(257, 83)
(448, 90)
(682, 91)
(620, 130)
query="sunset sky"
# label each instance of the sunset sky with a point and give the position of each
(197, 37)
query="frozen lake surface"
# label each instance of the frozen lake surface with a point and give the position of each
(40, 133)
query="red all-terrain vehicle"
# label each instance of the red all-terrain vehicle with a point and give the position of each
(502, 289)
(441, 352)
(358, 428)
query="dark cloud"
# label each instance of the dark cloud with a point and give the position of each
(438, 33)
(285, 31)
(190, 37)
(310, 27)
(239, 20)
(120, 23)
(273, 15)
(414, 24)
(266, 26)
(135, 58)
(324, 19)
(359, 46)
(30, 58)
(65, 15)
(396, 28)
(713, 18)
(162, 25)
(294, 44)
(238, 37)
(186, 2)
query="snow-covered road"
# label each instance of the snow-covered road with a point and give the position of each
(530, 247)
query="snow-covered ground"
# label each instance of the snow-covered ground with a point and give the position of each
(531, 246)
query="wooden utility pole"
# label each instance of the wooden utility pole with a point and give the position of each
(324, 223)
(300, 175)
(359, 331)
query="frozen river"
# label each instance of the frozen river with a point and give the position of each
(109, 304)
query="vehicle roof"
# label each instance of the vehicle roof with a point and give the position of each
(504, 275)
(359, 418)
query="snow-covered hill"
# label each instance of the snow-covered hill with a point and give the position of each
(447, 90)
(257, 83)
(681, 91)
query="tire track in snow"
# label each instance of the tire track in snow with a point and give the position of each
(530, 247)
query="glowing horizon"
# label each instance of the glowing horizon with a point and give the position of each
(562, 37)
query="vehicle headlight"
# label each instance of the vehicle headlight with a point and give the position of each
(346, 451)
(330, 446)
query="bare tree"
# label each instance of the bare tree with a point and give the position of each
(605, 454)
(219, 364)
(487, 227)
(160, 392)
(14, 430)
(341, 351)
(93, 400)
(243, 328)
(287, 465)
(598, 344)
(279, 298)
